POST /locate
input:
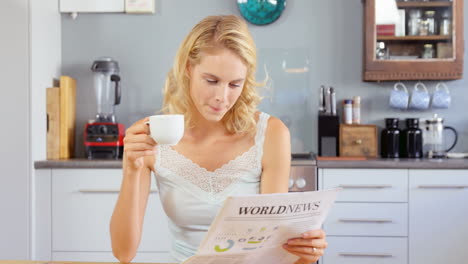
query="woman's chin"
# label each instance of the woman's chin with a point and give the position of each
(214, 116)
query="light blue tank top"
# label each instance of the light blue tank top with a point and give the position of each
(191, 195)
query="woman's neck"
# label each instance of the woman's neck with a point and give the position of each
(207, 129)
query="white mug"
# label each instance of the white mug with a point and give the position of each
(166, 129)
(420, 97)
(399, 97)
(441, 97)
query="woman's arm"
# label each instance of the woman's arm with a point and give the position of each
(127, 220)
(276, 161)
(276, 165)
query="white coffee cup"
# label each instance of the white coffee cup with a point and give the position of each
(166, 129)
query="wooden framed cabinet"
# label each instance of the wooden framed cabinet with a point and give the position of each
(413, 40)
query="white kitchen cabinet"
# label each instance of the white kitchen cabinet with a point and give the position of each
(438, 216)
(82, 202)
(366, 250)
(368, 185)
(415, 216)
(369, 222)
(92, 6)
(368, 219)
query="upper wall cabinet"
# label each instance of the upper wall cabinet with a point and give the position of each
(97, 6)
(413, 40)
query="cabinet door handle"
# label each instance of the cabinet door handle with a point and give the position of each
(365, 186)
(374, 255)
(357, 220)
(441, 186)
(107, 191)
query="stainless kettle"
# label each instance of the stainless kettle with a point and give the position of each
(434, 137)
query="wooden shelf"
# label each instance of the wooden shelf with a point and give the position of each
(424, 4)
(415, 38)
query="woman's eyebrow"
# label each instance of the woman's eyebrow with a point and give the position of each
(216, 77)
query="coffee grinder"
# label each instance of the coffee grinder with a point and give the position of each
(103, 137)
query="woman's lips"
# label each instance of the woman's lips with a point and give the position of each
(215, 109)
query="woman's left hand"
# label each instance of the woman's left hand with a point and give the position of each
(309, 248)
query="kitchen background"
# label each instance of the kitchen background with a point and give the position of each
(38, 44)
(323, 35)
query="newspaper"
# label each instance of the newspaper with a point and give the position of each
(253, 228)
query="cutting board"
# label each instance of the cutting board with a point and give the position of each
(53, 122)
(67, 116)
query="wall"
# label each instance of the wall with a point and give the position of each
(324, 35)
(45, 65)
(30, 60)
(15, 162)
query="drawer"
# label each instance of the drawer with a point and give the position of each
(358, 140)
(368, 219)
(82, 204)
(368, 185)
(366, 250)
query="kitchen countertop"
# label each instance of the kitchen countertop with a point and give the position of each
(78, 164)
(395, 163)
(370, 163)
(114, 164)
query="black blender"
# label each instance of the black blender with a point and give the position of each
(103, 137)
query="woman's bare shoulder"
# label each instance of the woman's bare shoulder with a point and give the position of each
(276, 129)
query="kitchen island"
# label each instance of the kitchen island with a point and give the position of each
(56, 262)
(381, 215)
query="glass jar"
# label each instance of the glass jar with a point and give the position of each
(424, 28)
(445, 27)
(430, 22)
(428, 52)
(381, 52)
(414, 22)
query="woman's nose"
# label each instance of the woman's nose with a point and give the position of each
(221, 93)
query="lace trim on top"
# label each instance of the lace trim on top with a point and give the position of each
(218, 180)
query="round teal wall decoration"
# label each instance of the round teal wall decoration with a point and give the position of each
(261, 12)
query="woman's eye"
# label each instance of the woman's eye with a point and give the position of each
(234, 85)
(212, 81)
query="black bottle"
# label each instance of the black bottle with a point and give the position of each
(411, 140)
(390, 139)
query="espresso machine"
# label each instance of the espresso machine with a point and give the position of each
(103, 137)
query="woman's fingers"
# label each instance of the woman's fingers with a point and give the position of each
(138, 143)
(316, 233)
(139, 127)
(139, 138)
(310, 251)
(315, 243)
(139, 147)
(305, 258)
(134, 155)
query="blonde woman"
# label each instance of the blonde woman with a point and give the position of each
(228, 147)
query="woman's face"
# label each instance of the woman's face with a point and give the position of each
(216, 83)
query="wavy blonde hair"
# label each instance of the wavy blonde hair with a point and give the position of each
(213, 32)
